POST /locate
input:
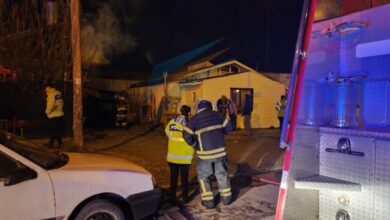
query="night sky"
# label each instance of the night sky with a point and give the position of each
(142, 33)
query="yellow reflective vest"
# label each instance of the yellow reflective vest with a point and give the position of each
(280, 106)
(54, 103)
(179, 152)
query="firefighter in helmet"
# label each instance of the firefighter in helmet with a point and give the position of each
(205, 131)
(179, 154)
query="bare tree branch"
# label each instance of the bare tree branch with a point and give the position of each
(29, 46)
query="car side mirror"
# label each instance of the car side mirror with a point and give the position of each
(19, 175)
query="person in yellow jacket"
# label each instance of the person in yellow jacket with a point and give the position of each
(54, 112)
(179, 155)
(280, 107)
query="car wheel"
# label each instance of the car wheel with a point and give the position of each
(100, 209)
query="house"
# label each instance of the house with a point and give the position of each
(204, 80)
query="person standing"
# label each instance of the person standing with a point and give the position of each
(55, 114)
(205, 131)
(233, 111)
(280, 107)
(179, 155)
(247, 112)
(223, 106)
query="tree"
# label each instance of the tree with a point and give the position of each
(34, 42)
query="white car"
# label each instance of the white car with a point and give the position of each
(38, 184)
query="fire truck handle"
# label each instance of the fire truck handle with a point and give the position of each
(354, 153)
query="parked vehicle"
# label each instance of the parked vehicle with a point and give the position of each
(38, 184)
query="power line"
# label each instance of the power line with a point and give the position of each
(277, 13)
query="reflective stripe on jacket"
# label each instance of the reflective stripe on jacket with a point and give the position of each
(205, 131)
(54, 103)
(280, 106)
(179, 152)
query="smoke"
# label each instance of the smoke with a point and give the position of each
(149, 56)
(103, 37)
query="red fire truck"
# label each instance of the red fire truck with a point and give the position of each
(337, 132)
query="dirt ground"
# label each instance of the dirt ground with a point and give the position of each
(147, 147)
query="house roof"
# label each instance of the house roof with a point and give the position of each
(190, 77)
(178, 62)
(196, 65)
(195, 77)
(207, 58)
(231, 62)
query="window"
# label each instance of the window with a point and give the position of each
(237, 95)
(7, 165)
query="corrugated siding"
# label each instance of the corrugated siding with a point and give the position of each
(157, 92)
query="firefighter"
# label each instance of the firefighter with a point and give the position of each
(54, 112)
(280, 106)
(179, 155)
(205, 131)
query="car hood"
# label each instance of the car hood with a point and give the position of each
(78, 161)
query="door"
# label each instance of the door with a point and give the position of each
(29, 199)
(237, 95)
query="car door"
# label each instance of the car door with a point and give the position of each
(31, 197)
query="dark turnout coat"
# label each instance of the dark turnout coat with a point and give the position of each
(205, 131)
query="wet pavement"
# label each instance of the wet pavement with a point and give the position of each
(254, 203)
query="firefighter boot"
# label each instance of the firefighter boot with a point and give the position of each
(209, 204)
(227, 200)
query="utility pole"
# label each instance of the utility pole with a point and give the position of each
(77, 76)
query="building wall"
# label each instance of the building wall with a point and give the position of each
(157, 92)
(266, 93)
(190, 95)
(283, 78)
(151, 96)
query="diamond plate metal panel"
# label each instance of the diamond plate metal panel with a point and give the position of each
(375, 103)
(349, 168)
(388, 104)
(326, 183)
(383, 133)
(303, 204)
(382, 180)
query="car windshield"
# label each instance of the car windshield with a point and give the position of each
(34, 152)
